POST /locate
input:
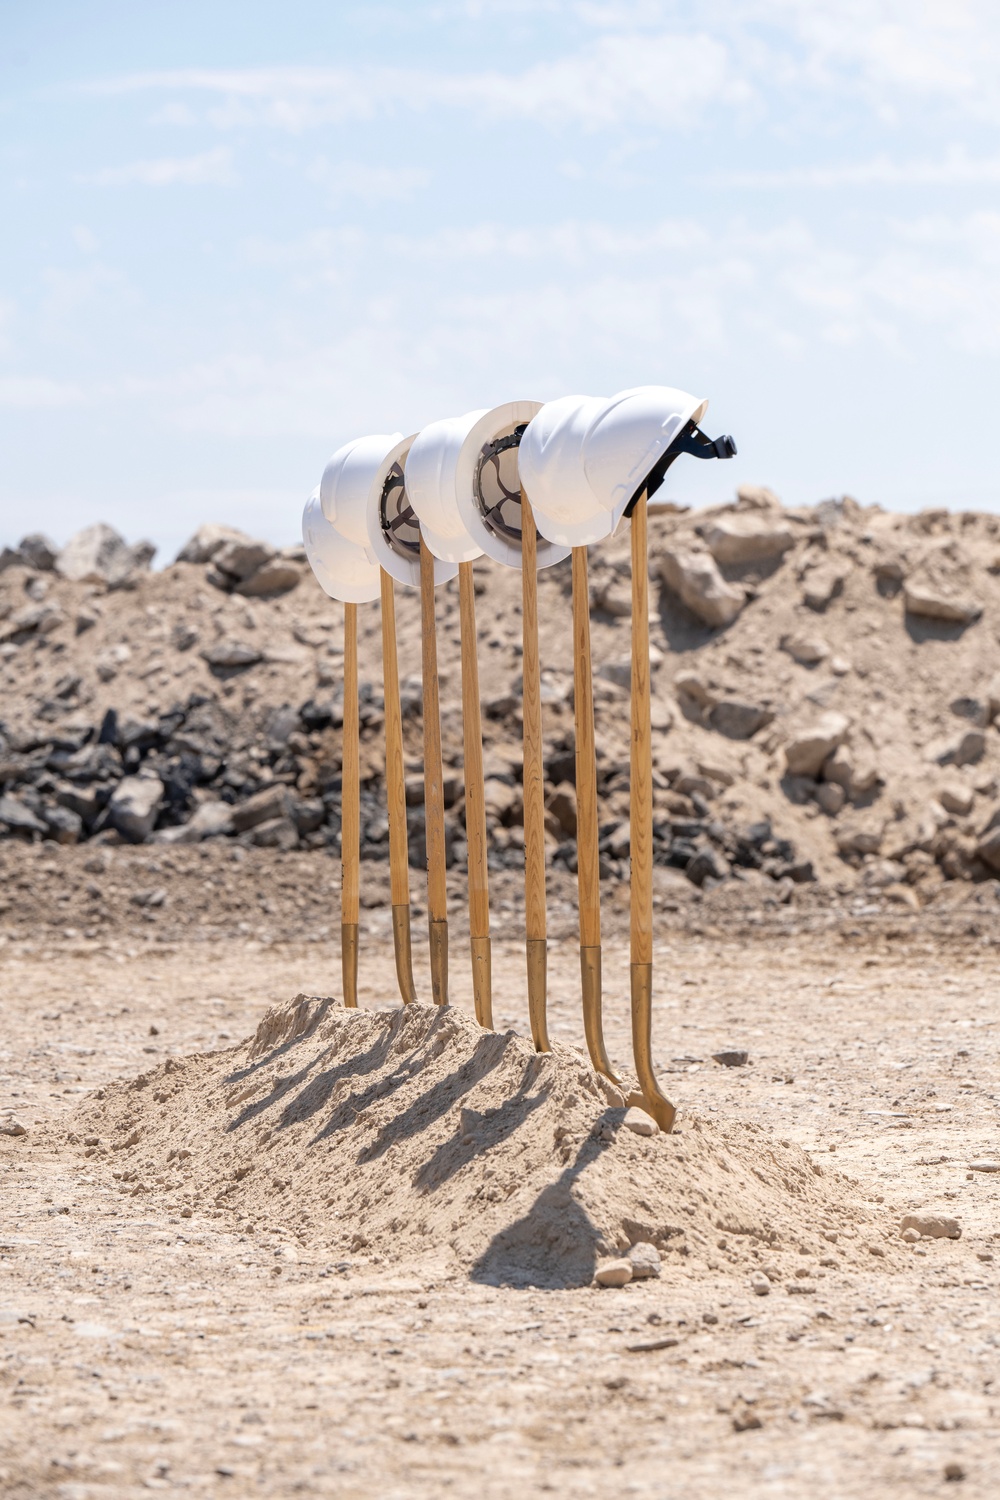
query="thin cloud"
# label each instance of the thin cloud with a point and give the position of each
(37, 393)
(208, 169)
(955, 170)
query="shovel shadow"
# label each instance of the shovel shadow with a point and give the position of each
(556, 1244)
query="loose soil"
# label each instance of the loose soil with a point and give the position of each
(168, 1323)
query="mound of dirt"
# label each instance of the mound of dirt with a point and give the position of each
(413, 1135)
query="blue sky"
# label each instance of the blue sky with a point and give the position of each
(238, 234)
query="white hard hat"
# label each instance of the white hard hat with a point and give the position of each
(462, 480)
(392, 525)
(347, 480)
(584, 458)
(343, 570)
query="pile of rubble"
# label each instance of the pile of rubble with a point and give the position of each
(824, 698)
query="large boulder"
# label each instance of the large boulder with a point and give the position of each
(276, 576)
(38, 552)
(695, 578)
(211, 820)
(242, 556)
(207, 540)
(736, 540)
(99, 554)
(935, 601)
(809, 747)
(134, 805)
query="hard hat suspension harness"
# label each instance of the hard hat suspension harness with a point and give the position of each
(396, 515)
(503, 515)
(691, 440)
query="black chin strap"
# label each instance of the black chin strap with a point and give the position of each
(691, 440)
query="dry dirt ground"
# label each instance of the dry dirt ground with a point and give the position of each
(145, 1348)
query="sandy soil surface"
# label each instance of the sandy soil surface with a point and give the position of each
(148, 1346)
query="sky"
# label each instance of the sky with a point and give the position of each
(237, 234)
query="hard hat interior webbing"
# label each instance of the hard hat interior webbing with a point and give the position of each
(497, 486)
(396, 515)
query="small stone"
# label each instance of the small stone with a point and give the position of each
(806, 751)
(746, 1421)
(638, 1121)
(911, 1236)
(134, 805)
(614, 1273)
(984, 1166)
(644, 1259)
(230, 655)
(953, 1472)
(731, 1059)
(932, 1226)
(956, 798)
(831, 797)
(807, 650)
(760, 1284)
(11, 1126)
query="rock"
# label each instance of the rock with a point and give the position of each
(11, 1126)
(231, 655)
(707, 864)
(612, 600)
(859, 836)
(207, 540)
(500, 798)
(273, 802)
(731, 1059)
(806, 751)
(63, 825)
(38, 552)
(993, 696)
(18, 818)
(984, 1166)
(736, 540)
(639, 1122)
(830, 797)
(757, 497)
(688, 684)
(618, 671)
(695, 578)
(183, 636)
(277, 833)
(932, 602)
(824, 584)
(11, 557)
(644, 1258)
(760, 1284)
(134, 805)
(562, 805)
(614, 1273)
(911, 1236)
(988, 849)
(98, 554)
(807, 650)
(932, 1226)
(275, 577)
(958, 749)
(852, 770)
(241, 556)
(956, 798)
(954, 1471)
(737, 720)
(210, 820)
